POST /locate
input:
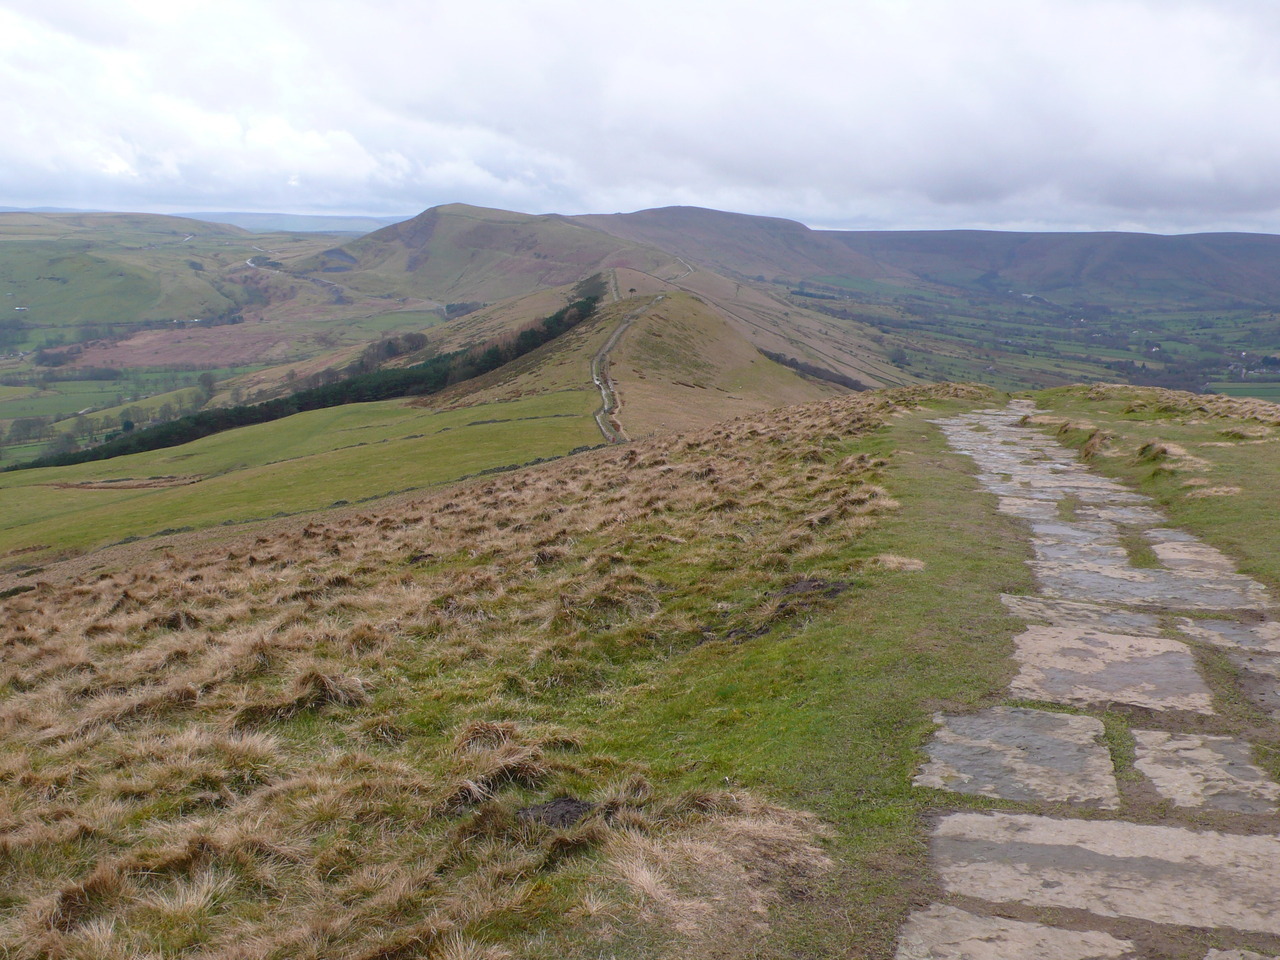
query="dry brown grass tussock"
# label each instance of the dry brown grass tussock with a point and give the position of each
(314, 744)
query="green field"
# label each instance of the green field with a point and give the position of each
(304, 463)
(91, 282)
(1013, 342)
(1263, 391)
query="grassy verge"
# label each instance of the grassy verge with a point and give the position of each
(830, 716)
(1211, 462)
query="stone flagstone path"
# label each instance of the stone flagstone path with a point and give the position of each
(1033, 882)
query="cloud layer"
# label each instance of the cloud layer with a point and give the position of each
(1087, 114)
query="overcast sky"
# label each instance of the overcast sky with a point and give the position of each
(1159, 115)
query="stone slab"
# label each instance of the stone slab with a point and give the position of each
(1027, 508)
(1179, 550)
(1018, 754)
(1215, 773)
(1138, 516)
(1122, 583)
(1112, 869)
(1071, 613)
(948, 933)
(1261, 636)
(1080, 666)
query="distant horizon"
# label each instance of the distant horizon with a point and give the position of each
(400, 218)
(871, 115)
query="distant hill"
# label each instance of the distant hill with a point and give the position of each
(1124, 268)
(297, 222)
(463, 253)
(1205, 268)
(121, 228)
(760, 247)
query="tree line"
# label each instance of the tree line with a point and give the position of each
(422, 379)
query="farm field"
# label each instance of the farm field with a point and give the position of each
(304, 463)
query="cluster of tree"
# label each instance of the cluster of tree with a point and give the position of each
(12, 333)
(422, 379)
(376, 354)
(815, 371)
(815, 295)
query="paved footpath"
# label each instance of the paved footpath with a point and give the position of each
(1179, 859)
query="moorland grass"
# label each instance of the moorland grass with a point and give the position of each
(316, 742)
(831, 715)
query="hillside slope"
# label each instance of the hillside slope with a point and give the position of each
(680, 366)
(742, 245)
(461, 253)
(1226, 269)
(537, 407)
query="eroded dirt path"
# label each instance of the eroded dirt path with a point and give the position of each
(1153, 835)
(606, 414)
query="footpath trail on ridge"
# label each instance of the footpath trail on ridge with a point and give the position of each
(606, 413)
(1178, 856)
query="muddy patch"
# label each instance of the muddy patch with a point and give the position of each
(128, 483)
(559, 813)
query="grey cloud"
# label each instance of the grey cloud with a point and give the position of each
(1097, 113)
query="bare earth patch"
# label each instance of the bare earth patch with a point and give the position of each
(128, 483)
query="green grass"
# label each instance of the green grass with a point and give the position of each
(1263, 391)
(1242, 523)
(831, 716)
(303, 463)
(1138, 548)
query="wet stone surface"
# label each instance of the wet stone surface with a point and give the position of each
(1179, 550)
(947, 933)
(1215, 773)
(1260, 636)
(1095, 638)
(1082, 666)
(1083, 558)
(1113, 869)
(1085, 578)
(1070, 613)
(1018, 754)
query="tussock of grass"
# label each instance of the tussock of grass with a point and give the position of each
(315, 742)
